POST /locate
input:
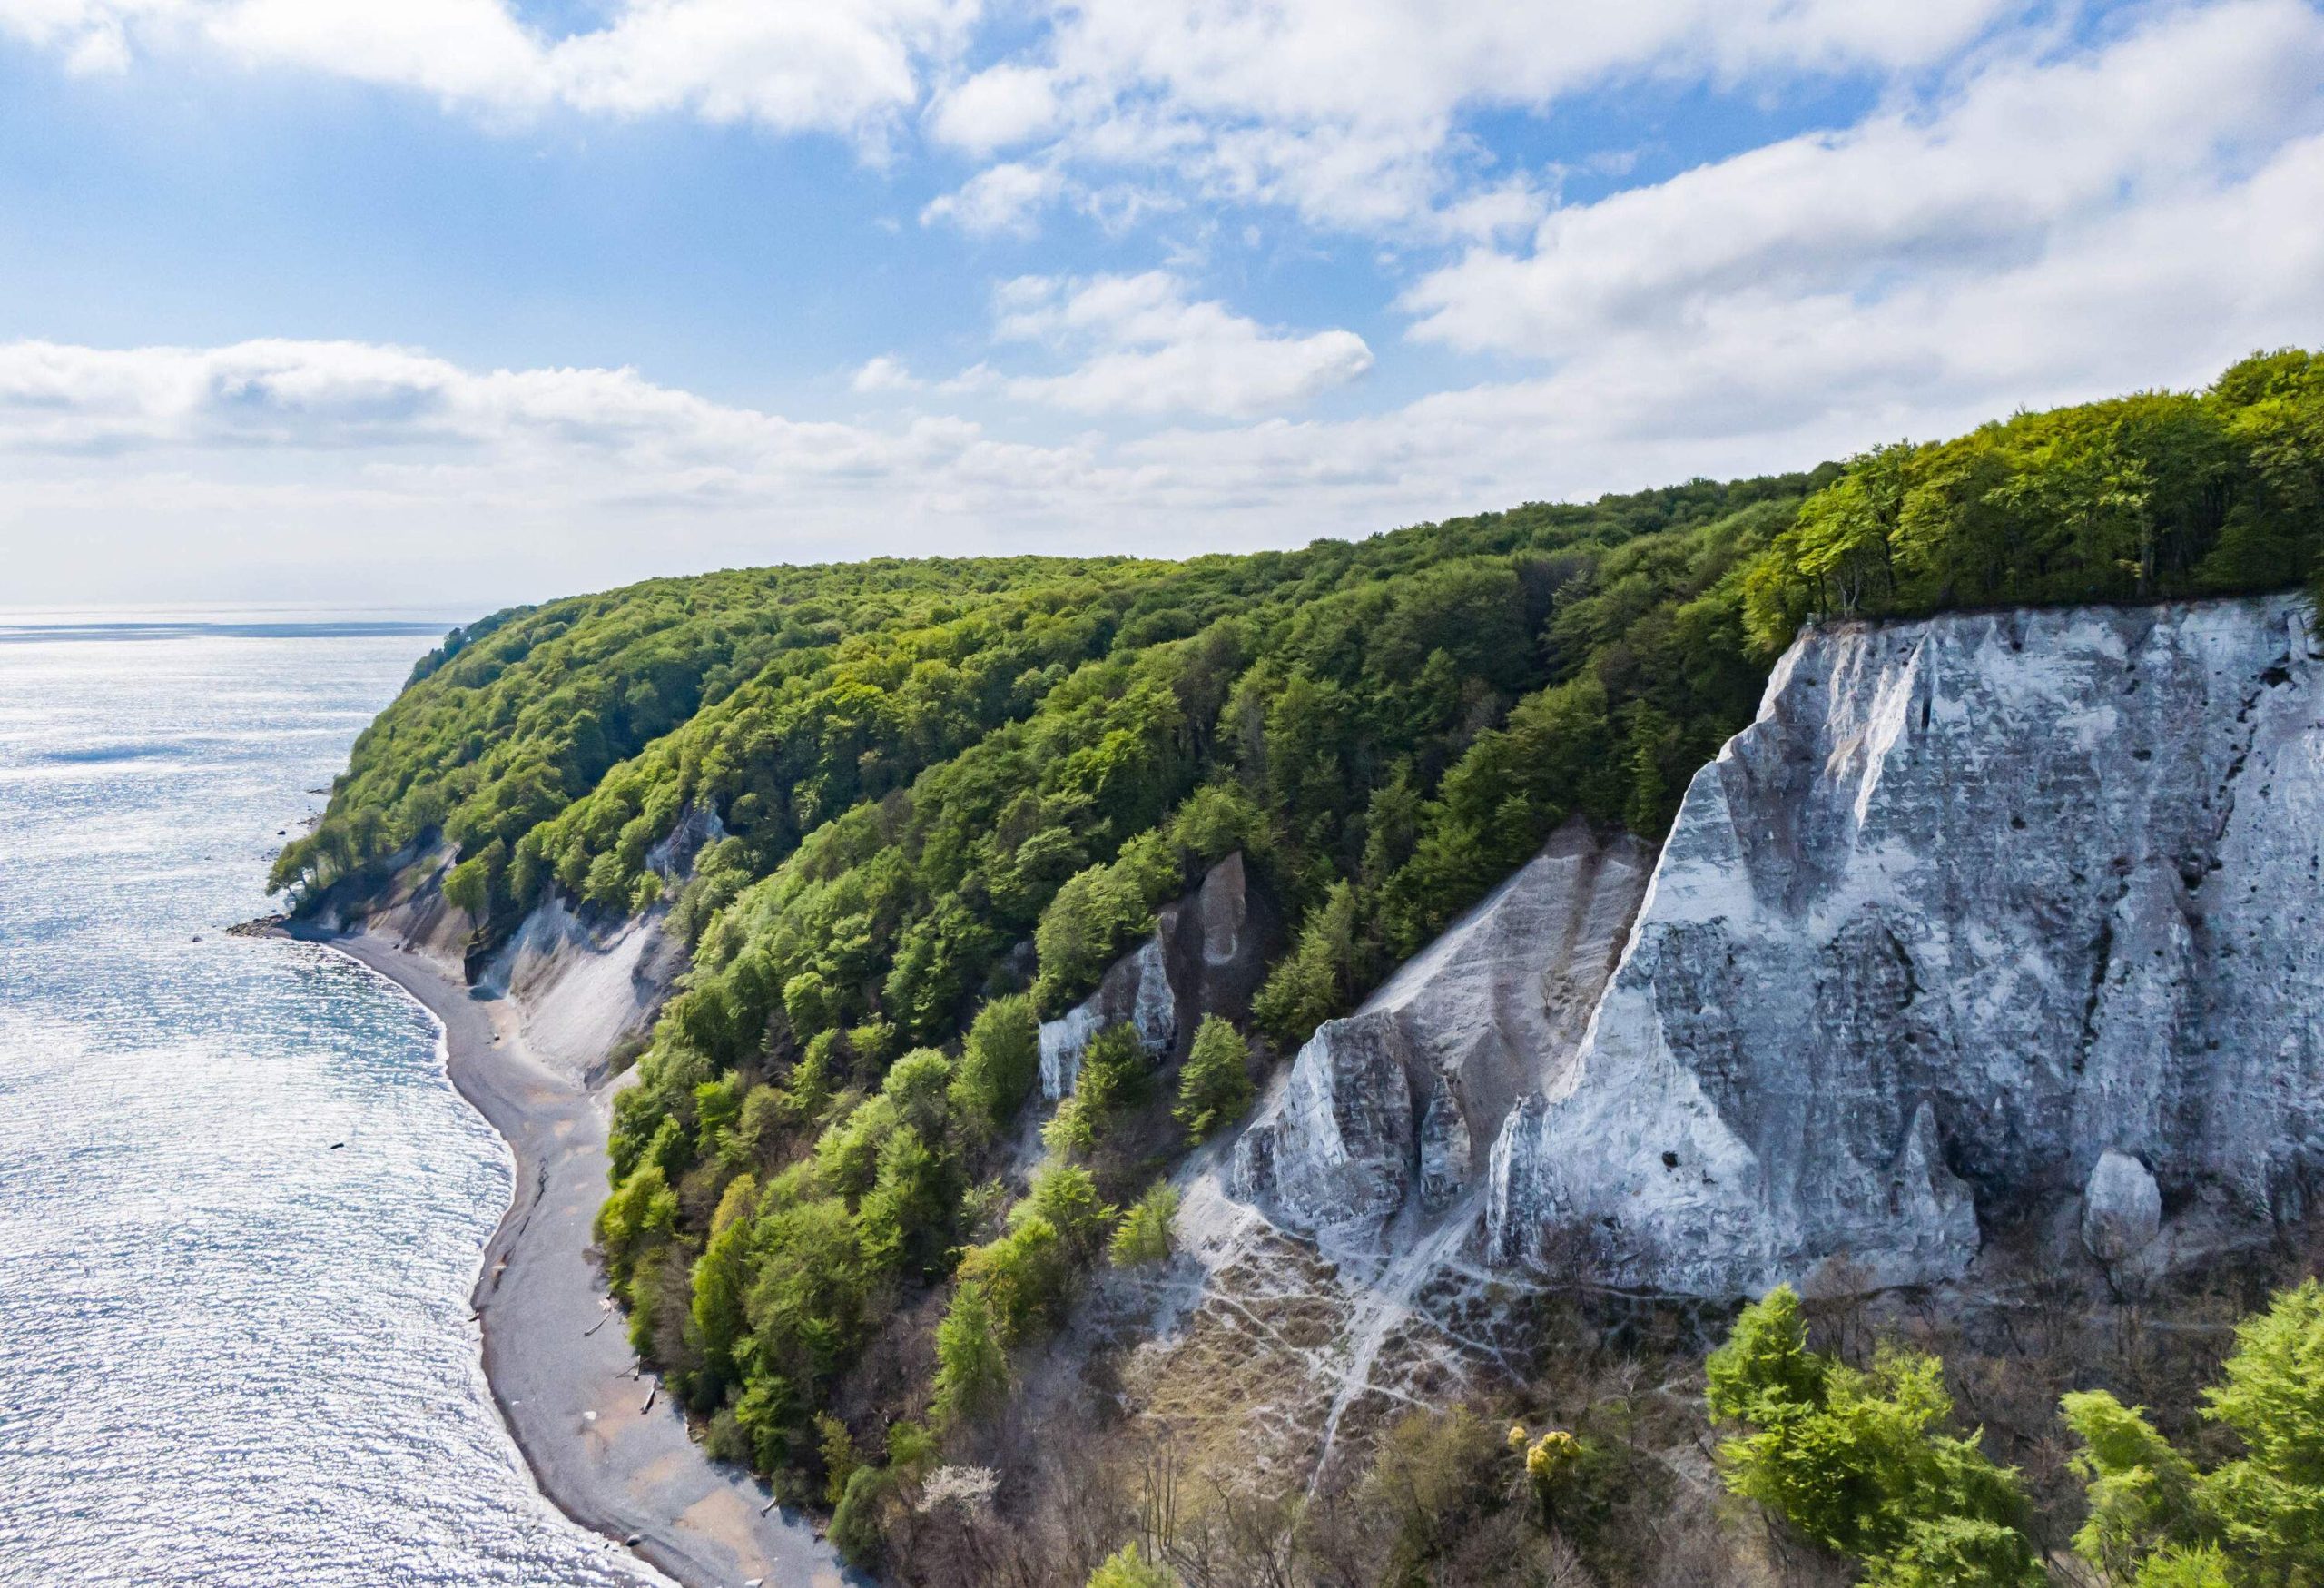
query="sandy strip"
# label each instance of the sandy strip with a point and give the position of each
(560, 1368)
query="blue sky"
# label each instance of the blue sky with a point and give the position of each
(468, 301)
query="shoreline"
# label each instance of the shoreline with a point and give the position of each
(603, 1444)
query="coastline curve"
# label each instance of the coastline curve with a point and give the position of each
(602, 1444)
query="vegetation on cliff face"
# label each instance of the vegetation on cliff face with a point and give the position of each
(937, 798)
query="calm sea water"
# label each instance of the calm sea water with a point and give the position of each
(230, 1353)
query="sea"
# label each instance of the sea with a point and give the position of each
(240, 1206)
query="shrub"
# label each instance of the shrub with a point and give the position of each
(858, 1522)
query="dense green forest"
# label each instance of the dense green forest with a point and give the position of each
(918, 768)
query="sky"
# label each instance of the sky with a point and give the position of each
(453, 303)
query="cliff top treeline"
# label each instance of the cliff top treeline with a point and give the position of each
(917, 768)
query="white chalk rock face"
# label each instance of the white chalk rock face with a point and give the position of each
(1402, 1098)
(2122, 1209)
(1975, 902)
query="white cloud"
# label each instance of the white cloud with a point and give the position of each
(999, 106)
(998, 199)
(885, 373)
(1349, 110)
(2019, 167)
(846, 66)
(2054, 221)
(1147, 349)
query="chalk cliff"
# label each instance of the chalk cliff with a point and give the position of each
(1983, 913)
(1407, 1093)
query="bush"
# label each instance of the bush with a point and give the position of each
(858, 1522)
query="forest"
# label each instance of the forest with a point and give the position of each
(941, 796)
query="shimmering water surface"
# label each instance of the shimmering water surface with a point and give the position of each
(230, 1351)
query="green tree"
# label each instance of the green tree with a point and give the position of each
(1317, 978)
(468, 885)
(971, 1364)
(1127, 1569)
(1000, 1059)
(1214, 1083)
(722, 1278)
(2269, 1503)
(2256, 1519)
(1856, 1461)
(1143, 1236)
(2141, 1491)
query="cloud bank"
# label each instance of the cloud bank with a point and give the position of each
(2028, 214)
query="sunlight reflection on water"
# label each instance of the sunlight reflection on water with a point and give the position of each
(231, 1353)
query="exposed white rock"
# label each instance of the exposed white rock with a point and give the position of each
(1975, 901)
(2122, 1209)
(1136, 990)
(583, 989)
(1205, 956)
(672, 854)
(1408, 1092)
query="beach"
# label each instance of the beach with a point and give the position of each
(606, 1447)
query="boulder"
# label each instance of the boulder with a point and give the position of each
(2122, 1209)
